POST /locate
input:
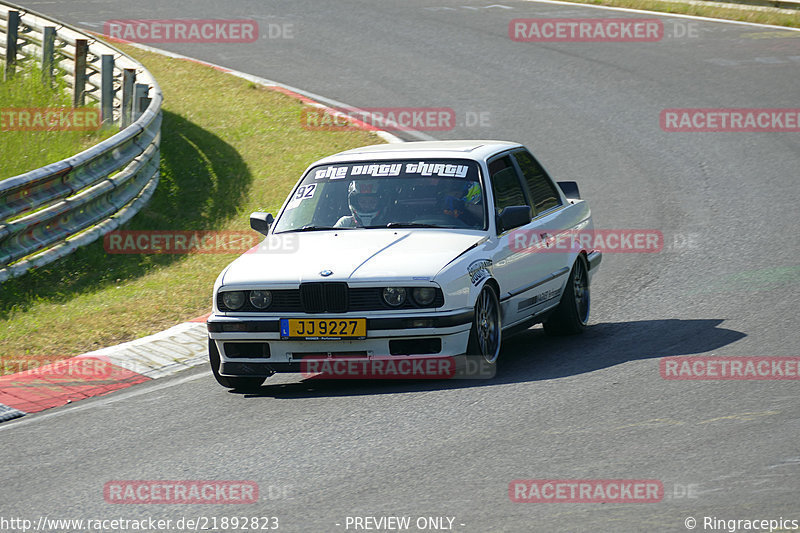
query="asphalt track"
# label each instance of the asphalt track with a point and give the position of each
(590, 407)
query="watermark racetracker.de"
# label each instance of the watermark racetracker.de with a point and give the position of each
(593, 30)
(707, 368)
(196, 242)
(397, 367)
(586, 491)
(49, 119)
(180, 492)
(585, 30)
(182, 31)
(391, 118)
(57, 368)
(571, 240)
(750, 120)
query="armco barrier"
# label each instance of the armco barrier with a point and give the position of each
(73, 202)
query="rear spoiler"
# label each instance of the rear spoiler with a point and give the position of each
(570, 190)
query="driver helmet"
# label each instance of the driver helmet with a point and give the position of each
(461, 196)
(364, 199)
(473, 195)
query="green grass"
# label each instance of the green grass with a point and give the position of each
(742, 13)
(27, 150)
(229, 147)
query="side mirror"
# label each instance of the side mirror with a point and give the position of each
(570, 189)
(261, 221)
(512, 217)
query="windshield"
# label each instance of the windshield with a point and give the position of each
(432, 193)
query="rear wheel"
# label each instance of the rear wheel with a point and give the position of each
(237, 383)
(486, 335)
(572, 313)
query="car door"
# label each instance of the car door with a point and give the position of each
(513, 268)
(548, 259)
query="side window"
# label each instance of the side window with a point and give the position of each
(543, 193)
(506, 186)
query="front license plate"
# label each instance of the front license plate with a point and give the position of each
(323, 328)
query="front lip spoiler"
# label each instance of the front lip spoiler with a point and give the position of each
(406, 322)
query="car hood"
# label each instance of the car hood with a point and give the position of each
(350, 255)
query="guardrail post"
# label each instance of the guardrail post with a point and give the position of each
(128, 79)
(140, 100)
(107, 89)
(79, 94)
(12, 34)
(36, 227)
(48, 54)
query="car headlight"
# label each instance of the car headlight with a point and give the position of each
(261, 299)
(394, 296)
(233, 299)
(424, 296)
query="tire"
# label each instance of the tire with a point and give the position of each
(236, 383)
(572, 313)
(486, 336)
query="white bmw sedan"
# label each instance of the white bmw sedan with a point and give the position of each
(413, 250)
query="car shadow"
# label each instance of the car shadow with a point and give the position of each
(534, 356)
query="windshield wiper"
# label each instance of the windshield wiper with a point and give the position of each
(409, 225)
(312, 228)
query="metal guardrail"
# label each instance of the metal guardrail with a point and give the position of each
(49, 212)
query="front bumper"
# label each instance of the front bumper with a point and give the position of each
(252, 346)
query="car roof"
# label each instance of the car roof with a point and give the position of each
(466, 149)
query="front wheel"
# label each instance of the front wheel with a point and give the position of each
(486, 335)
(572, 313)
(237, 383)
